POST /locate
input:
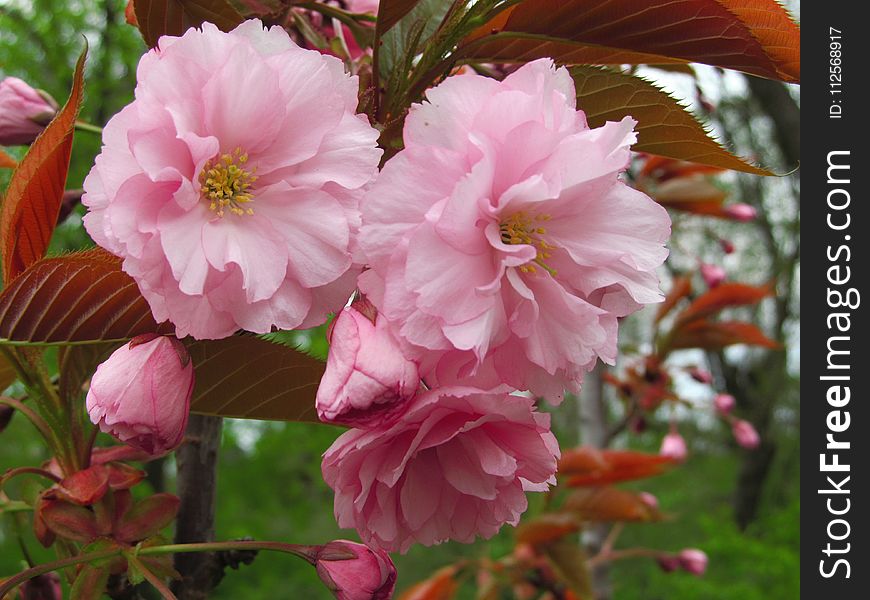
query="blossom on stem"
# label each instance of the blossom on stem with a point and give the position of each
(230, 185)
(674, 446)
(724, 403)
(141, 393)
(371, 575)
(745, 434)
(456, 464)
(502, 236)
(693, 561)
(368, 378)
(24, 112)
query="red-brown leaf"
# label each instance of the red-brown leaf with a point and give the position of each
(696, 195)
(754, 36)
(723, 296)
(147, 517)
(69, 520)
(442, 585)
(6, 161)
(29, 212)
(391, 12)
(80, 297)
(249, 377)
(664, 126)
(174, 17)
(680, 288)
(590, 466)
(609, 504)
(84, 487)
(547, 528)
(709, 335)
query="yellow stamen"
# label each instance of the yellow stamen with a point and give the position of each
(520, 229)
(226, 186)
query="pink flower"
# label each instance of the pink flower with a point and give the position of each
(24, 112)
(724, 403)
(701, 375)
(674, 446)
(693, 560)
(741, 212)
(502, 233)
(649, 500)
(713, 274)
(369, 576)
(367, 378)
(230, 184)
(363, 6)
(745, 434)
(455, 465)
(141, 393)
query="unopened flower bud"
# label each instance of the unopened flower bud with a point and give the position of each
(724, 403)
(42, 587)
(740, 212)
(701, 375)
(367, 377)
(713, 274)
(369, 575)
(674, 446)
(726, 245)
(693, 561)
(141, 394)
(24, 112)
(668, 563)
(745, 434)
(649, 500)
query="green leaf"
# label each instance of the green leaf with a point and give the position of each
(249, 377)
(665, 127)
(32, 202)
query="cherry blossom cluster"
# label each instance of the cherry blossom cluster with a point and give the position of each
(489, 261)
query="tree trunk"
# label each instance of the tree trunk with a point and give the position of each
(196, 483)
(593, 432)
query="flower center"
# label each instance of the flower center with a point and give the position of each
(520, 228)
(225, 183)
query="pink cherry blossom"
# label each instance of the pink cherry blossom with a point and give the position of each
(674, 446)
(369, 576)
(693, 561)
(741, 212)
(24, 112)
(745, 434)
(502, 236)
(713, 275)
(456, 465)
(141, 393)
(724, 403)
(363, 6)
(367, 378)
(230, 185)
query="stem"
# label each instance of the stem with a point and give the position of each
(34, 418)
(623, 554)
(24, 470)
(306, 552)
(152, 578)
(82, 126)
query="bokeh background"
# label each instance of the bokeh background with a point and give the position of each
(742, 508)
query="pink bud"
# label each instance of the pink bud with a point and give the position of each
(141, 394)
(693, 560)
(713, 274)
(649, 500)
(724, 403)
(371, 575)
(363, 6)
(726, 245)
(42, 587)
(740, 212)
(24, 112)
(674, 446)
(745, 434)
(367, 378)
(701, 376)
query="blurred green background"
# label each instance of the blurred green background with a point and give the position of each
(269, 476)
